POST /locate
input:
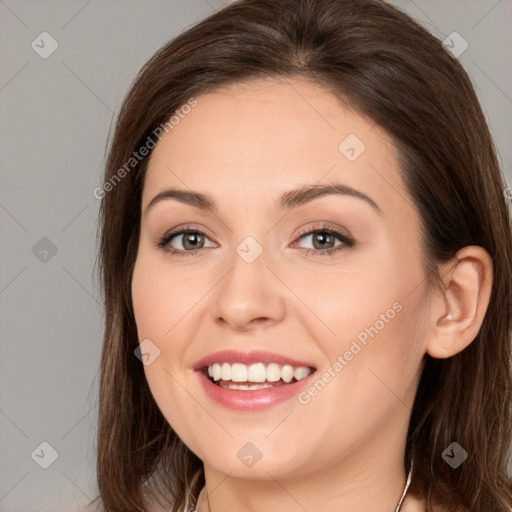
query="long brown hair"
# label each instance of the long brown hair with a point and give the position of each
(394, 72)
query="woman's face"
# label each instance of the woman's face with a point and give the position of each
(248, 279)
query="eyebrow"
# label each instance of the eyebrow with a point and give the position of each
(287, 201)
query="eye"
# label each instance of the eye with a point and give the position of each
(324, 238)
(192, 240)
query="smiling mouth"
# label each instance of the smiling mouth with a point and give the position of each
(255, 376)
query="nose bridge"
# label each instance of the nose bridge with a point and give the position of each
(249, 290)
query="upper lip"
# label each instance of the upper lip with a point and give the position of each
(255, 356)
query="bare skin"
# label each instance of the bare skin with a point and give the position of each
(244, 146)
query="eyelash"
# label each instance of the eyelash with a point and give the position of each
(348, 242)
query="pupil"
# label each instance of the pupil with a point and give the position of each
(187, 240)
(323, 237)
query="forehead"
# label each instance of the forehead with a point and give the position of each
(271, 135)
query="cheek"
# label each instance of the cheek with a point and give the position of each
(369, 318)
(154, 297)
(158, 306)
(165, 307)
(349, 301)
(377, 279)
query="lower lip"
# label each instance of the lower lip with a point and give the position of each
(255, 400)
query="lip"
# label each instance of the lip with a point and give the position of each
(256, 400)
(255, 356)
(245, 400)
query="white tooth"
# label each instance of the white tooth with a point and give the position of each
(273, 372)
(257, 373)
(245, 387)
(287, 373)
(301, 372)
(238, 372)
(216, 371)
(226, 371)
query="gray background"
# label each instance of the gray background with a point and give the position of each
(55, 118)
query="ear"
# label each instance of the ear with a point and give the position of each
(457, 313)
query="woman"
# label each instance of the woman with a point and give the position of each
(306, 259)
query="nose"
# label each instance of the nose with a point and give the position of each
(249, 294)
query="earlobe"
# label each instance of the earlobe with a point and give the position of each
(460, 308)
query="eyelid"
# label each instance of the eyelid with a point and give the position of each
(189, 227)
(325, 226)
